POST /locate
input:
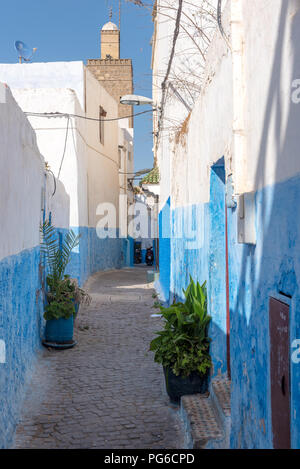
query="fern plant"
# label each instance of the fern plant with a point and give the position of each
(183, 344)
(61, 293)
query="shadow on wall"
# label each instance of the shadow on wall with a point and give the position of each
(270, 267)
(200, 252)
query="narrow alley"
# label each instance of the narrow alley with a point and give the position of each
(107, 392)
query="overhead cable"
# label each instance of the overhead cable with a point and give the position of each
(65, 114)
(219, 18)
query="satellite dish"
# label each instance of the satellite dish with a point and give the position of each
(25, 53)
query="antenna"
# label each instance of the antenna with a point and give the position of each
(110, 13)
(25, 53)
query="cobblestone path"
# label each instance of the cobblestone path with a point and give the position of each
(107, 392)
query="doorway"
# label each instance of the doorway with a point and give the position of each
(219, 271)
(279, 314)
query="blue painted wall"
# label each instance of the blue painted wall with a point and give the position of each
(143, 252)
(21, 312)
(198, 249)
(269, 268)
(163, 285)
(21, 309)
(94, 253)
(189, 257)
(217, 269)
(256, 273)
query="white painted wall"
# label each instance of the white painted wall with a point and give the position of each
(21, 180)
(245, 111)
(103, 160)
(51, 137)
(90, 170)
(271, 65)
(25, 187)
(188, 66)
(209, 134)
(126, 169)
(142, 225)
(46, 75)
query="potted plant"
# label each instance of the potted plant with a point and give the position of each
(182, 347)
(63, 294)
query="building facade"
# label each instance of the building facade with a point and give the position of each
(229, 192)
(83, 154)
(26, 194)
(63, 154)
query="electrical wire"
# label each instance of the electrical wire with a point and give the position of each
(164, 83)
(54, 180)
(219, 18)
(65, 147)
(62, 114)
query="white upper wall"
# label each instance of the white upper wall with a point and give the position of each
(103, 159)
(90, 167)
(185, 78)
(46, 75)
(272, 63)
(51, 139)
(208, 135)
(250, 101)
(21, 179)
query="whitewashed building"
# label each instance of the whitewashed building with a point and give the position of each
(228, 206)
(82, 153)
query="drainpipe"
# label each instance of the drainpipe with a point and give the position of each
(238, 72)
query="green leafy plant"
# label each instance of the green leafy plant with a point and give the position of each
(60, 299)
(63, 292)
(183, 344)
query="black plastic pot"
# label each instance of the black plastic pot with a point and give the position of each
(178, 386)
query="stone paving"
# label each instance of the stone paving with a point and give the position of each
(107, 392)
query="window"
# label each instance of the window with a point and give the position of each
(102, 115)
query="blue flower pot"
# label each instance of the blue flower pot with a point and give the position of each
(59, 331)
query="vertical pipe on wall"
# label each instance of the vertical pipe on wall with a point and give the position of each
(227, 296)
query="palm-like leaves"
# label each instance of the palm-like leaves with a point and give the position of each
(57, 255)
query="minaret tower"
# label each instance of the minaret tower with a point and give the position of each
(110, 40)
(114, 73)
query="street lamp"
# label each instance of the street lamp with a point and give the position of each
(135, 100)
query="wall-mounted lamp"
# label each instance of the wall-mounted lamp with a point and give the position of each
(135, 100)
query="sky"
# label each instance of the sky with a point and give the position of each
(64, 30)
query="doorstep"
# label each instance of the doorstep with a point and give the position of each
(206, 417)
